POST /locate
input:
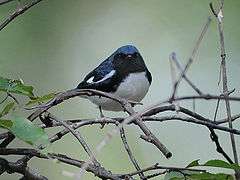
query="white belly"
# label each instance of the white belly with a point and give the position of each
(134, 87)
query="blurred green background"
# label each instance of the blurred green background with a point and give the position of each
(56, 43)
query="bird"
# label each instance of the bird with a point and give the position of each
(124, 73)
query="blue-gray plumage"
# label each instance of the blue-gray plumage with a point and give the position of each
(123, 73)
(128, 49)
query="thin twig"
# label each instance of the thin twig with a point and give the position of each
(219, 148)
(204, 97)
(5, 1)
(221, 121)
(217, 105)
(6, 141)
(13, 97)
(197, 119)
(96, 170)
(127, 106)
(157, 167)
(21, 168)
(79, 138)
(216, 110)
(219, 18)
(149, 136)
(130, 154)
(17, 12)
(64, 96)
(173, 58)
(4, 99)
(190, 60)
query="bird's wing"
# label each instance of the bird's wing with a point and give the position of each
(103, 78)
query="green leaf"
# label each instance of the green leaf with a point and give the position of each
(41, 99)
(26, 131)
(15, 86)
(7, 124)
(173, 175)
(215, 163)
(6, 109)
(194, 163)
(209, 176)
(222, 164)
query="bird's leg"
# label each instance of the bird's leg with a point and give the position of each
(102, 116)
(101, 113)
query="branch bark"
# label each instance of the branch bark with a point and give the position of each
(219, 18)
(17, 12)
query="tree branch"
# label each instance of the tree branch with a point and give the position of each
(21, 168)
(5, 1)
(219, 18)
(190, 60)
(130, 154)
(79, 138)
(96, 170)
(17, 12)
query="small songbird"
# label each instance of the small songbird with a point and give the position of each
(124, 74)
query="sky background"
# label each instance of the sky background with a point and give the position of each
(56, 43)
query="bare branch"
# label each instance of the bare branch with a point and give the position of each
(221, 121)
(71, 94)
(79, 138)
(130, 154)
(137, 118)
(157, 167)
(21, 168)
(4, 99)
(219, 149)
(13, 97)
(17, 12)
(219, 18)
(96, 170)
(190, 60)
(5, 1)
(173, 58)
(127, 105)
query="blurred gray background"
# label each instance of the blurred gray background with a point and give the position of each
(56, 43)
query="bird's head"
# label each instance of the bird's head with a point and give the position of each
(127, 52)
(128, 58)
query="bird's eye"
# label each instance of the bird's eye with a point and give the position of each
(121, 55)
(135, 55)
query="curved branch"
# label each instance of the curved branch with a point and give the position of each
(5, 1)
(96, 170)
(17, 12)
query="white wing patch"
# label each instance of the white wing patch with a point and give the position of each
(107, 76)
(90, 80)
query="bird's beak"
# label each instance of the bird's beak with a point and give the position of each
(129, 56)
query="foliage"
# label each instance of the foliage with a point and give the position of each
(28, 132)
(25, 130)
(215, 163)
(173, 175)
(191, 175)
(41, 99)
(15, 86)
(19, 126)
(7, 109)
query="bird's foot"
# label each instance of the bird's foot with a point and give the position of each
(102, 123)
(102, 118)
